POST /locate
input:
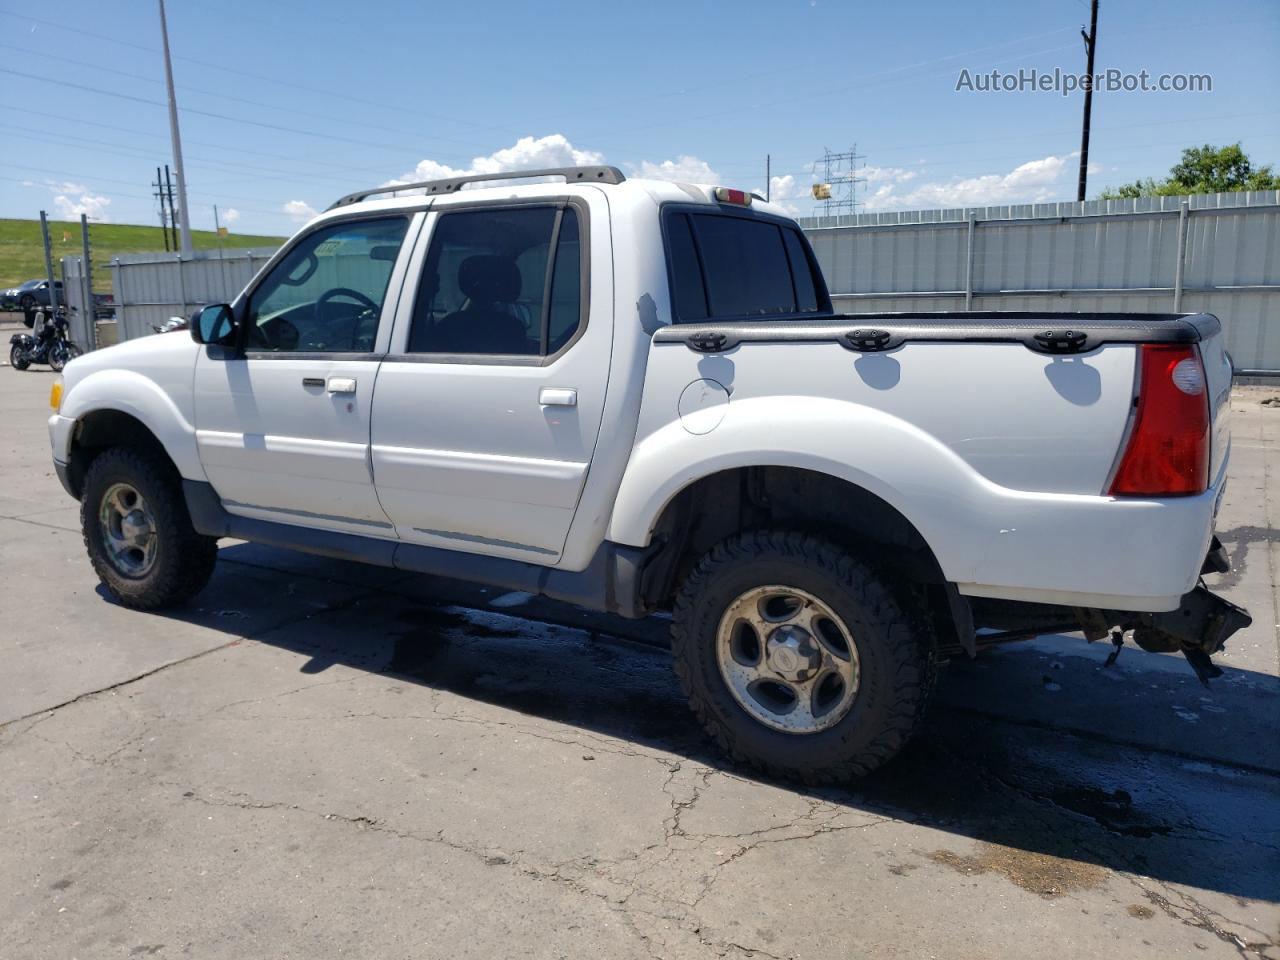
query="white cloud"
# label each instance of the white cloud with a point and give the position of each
(298, 210)
(82, 201)
(71, 199)
(229, 216)
(1036, 181)
(785, 191)
(892, 174)
(685, 169)
(527, 153)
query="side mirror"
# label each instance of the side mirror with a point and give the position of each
(215, 324)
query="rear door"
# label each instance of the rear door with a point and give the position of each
(282, 425)
(488, 406)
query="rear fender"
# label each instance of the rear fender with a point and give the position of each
(873, 450)
(990, 540)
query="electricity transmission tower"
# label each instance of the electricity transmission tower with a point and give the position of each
(836, 189)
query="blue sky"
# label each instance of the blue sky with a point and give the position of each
(287, 106)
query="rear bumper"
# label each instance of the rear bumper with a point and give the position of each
(1107, 552)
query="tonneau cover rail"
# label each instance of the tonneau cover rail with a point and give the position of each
(1054, 333)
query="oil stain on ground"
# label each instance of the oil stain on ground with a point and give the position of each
(1039, 873)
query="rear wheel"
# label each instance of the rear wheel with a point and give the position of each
(138, 533)
(798, 658)
(18, 357)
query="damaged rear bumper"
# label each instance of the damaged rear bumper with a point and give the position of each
(1198, 628)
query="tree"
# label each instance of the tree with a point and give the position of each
(1206, 169)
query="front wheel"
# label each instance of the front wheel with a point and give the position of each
(62, 353)
(798, 658)
(138, 533)
(18, 357)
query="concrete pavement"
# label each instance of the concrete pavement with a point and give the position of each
(318, 760)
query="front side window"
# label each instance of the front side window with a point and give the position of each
(725, 266)
(504, 282)
(326, 294)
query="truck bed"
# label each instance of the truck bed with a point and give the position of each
(995, 434)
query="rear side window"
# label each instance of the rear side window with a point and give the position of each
(727, 266)
(503, 282)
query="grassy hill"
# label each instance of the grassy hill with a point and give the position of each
(22, 254)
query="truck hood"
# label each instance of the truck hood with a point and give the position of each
(159, 353)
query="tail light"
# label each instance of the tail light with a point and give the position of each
(1168, 450)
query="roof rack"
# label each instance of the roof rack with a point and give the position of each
(454, 184)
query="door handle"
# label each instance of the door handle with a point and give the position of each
(558, 397)
(342, 385)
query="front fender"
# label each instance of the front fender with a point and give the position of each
(140, 397)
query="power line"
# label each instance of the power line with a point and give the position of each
(257, 173)
(372, 171)
(223, 68)
(254, 103)
(218, 116)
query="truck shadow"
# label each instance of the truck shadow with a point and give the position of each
(1050, 803)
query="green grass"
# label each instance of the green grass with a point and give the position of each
(22, 253)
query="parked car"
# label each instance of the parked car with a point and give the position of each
(635, 396)
(29, 295)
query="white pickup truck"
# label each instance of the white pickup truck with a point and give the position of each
(635, 396)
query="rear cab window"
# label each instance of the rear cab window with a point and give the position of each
(500, 281)
(730, 266)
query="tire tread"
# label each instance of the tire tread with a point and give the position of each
(188, 563)
(914, 670)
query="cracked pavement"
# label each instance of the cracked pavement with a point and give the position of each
(320, 760)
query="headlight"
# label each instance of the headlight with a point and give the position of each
(55, 395)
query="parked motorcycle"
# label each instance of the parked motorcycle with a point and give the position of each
(49, 344)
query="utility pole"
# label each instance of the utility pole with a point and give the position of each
(164, 210)
(173, 216)
(1090, 42)
(176, 138)
(768, 175)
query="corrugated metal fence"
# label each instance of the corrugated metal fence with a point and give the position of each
(1218, 253)
(149, 288)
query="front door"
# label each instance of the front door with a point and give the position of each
(282, 425)
(489, 403)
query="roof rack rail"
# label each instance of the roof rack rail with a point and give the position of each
(600, 174)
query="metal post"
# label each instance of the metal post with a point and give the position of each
(175, 137)
(117, 288)
(768, 176)
(86, 280)
(1184, 211)
(968, 266)
(182, 287)
(48, 263)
